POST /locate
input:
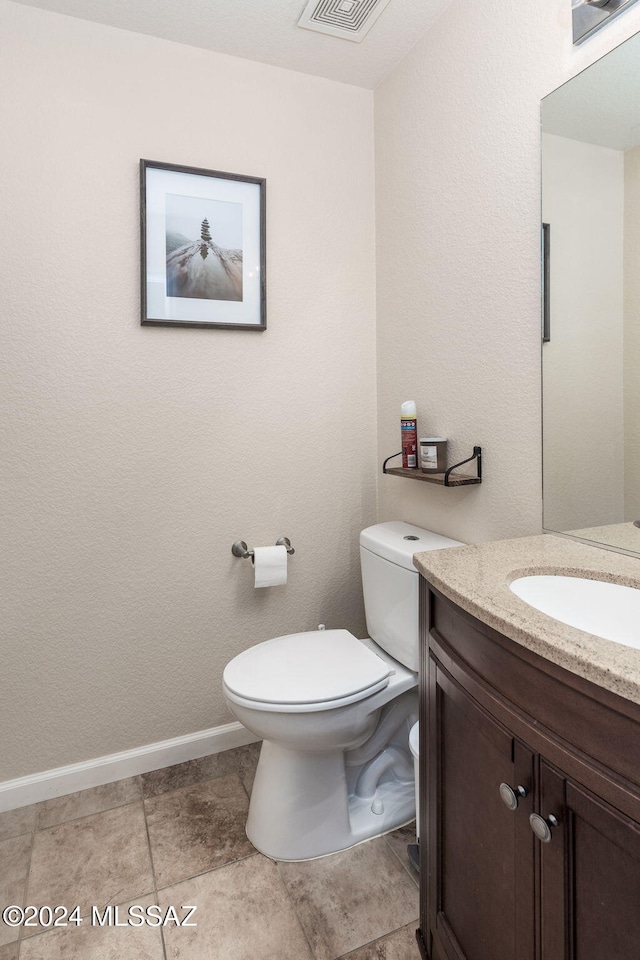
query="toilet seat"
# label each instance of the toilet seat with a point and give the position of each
(303, 672)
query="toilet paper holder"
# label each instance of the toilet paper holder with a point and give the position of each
(240, 549)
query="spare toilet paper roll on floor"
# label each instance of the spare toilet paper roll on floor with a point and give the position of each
(270, 565)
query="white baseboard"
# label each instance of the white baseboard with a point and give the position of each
(117, 766)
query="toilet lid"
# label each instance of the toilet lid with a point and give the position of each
(306, 668)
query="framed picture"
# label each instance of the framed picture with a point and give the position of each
(202, 248)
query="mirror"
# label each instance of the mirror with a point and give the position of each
(591, 357)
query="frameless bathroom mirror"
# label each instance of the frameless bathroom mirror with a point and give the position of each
(591, 357)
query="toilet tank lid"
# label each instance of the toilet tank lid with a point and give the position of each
(388, 540)
(318, 666)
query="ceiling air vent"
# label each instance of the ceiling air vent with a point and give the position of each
(348, 19)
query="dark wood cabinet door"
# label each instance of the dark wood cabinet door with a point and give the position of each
(590, 875)
(481, 858)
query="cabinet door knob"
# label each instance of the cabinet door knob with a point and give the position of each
(509, 796)
(542, 827)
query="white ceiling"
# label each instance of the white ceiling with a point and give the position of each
(267, 31)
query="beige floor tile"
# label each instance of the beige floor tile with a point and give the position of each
(94, 943)
(398, 841)
(249, 774)
(401, 945)
(97, 860)
(86, 942)
(243, 912)
(13, 823)
(351, 898)
(14, 867)
(9, 952)
(197, 828)
(241, 761)
(86, 802)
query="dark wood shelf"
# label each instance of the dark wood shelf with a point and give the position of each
(455, 480)
(446, 479)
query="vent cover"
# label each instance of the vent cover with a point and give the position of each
(348, 19)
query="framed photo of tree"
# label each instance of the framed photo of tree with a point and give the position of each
(202, 248)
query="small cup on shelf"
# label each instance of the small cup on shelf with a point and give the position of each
(433, 454)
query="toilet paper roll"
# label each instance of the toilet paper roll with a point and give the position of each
(270, 565)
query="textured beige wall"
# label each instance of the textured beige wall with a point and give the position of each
(133, 457)
(583, 201)
(632, 334)
(458, 227)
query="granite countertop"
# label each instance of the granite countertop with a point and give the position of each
(477, 578)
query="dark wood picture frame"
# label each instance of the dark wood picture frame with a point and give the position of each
(177, 290)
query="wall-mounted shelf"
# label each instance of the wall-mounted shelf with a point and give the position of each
(443, 479)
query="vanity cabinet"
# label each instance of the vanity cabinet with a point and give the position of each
(511, 737)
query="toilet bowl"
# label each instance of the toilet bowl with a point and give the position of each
(310, 796)
(334, 713)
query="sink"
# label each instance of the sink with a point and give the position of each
(608, 610)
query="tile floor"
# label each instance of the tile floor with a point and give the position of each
(176, 837)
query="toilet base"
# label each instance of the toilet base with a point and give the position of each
(397, 801)
(301, 807)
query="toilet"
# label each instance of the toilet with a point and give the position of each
(334, 713)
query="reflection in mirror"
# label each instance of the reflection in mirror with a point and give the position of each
(591, 381)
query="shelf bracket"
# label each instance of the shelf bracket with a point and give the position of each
(392, 457)
(476, 455)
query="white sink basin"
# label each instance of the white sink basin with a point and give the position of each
(607, 610)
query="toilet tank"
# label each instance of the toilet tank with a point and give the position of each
(390, 584)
